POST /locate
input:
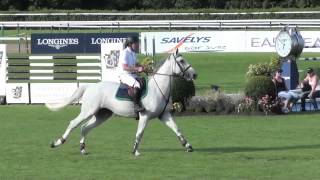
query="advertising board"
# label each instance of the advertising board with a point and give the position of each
(50, 43)
(51, 92)
(220, 41)
(17, 93)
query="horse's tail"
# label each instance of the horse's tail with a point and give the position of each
(76, 96)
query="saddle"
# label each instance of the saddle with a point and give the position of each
(124, 91)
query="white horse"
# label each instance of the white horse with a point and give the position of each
(99, 103)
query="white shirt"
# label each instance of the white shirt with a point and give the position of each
(127, 56)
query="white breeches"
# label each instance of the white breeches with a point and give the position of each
(129, 80)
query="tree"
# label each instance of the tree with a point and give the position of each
(95, 4)
(4, 4)
(188, 4)
(266, 4)
(17, 5)
(218, 4)
(156, 4)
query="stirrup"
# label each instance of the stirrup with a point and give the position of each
(138, 108)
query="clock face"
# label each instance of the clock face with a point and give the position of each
(283, 44)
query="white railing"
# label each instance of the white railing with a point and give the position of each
(168, 24)
(156, 14)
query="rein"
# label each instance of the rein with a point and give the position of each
(183, 71)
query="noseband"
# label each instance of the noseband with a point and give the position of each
(183, 71)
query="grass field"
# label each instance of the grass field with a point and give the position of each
(228, 70)
(226, 147)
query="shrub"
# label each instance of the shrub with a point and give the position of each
(262, 69)
(182, 90)
(269, 105)
(247, 105)
(147, 63)
(275, 63)
(215, 101)
(259, 86)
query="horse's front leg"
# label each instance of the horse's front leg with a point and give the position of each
(169, 121)
(141, 126)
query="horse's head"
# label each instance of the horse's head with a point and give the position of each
(182, 68)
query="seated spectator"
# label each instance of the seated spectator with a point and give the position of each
(283, 92)
(312, 81)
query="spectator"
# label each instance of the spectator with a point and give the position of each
(283, 92)
(311, 80)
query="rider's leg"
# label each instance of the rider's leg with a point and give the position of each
(135, 93)
(136, 99)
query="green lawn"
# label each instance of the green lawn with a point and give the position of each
(228, 70)
(226, 147)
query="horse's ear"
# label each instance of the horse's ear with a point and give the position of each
(177, 51)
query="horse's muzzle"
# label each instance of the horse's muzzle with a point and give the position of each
(194, 76)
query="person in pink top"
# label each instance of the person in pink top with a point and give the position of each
(311, 80)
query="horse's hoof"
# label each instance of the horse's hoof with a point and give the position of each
(136, 153)
(83, 152)
(52, 145)
(189, 149)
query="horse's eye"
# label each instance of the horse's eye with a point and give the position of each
(182, 61)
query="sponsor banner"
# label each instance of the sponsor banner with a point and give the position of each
(220, 41)
(311, 41)
(166, 42)
(74, 42)
(3, 69)
(51, 92)
(17, 93)
(110, 53)
(264, 41)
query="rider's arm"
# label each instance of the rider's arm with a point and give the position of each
(314, 84)
(132, 69)
(124, 63)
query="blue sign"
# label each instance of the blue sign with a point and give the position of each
(74, 42)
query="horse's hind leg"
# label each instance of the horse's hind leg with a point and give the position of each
(101, 116)
(169, 121)
(72, 125)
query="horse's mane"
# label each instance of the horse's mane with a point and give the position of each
(158, 64)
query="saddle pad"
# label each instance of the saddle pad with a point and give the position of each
(122, 92)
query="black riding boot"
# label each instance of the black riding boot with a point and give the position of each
(136, 100)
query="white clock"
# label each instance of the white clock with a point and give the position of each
(289, 42)
(284, 43)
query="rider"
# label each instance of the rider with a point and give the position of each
(128, 69)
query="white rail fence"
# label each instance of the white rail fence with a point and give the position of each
(168, 24)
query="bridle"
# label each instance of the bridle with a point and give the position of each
(182, 70)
